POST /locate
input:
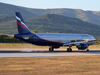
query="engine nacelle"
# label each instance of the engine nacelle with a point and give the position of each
(82, 46)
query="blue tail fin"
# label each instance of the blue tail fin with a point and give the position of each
(22, 27)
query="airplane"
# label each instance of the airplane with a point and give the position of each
(53, 40)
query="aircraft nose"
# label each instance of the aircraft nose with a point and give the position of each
(96, 39)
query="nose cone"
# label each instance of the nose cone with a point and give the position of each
(92, 40)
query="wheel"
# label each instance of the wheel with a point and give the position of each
(87, 50)
(51, 49)
(69, 50)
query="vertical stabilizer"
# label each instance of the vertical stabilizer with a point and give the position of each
(22, 27)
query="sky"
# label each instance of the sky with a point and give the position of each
(93, 5)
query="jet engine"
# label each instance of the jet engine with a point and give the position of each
(82, 46)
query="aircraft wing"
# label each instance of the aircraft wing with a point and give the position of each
(75, 42)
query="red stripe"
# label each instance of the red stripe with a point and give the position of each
(52, 41)
(21, 25)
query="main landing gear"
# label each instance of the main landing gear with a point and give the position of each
(51, 49)
(69, 50)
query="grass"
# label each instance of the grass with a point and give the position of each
(27, 45)
(79, 65)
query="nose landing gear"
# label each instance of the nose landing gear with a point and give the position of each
(87, 50)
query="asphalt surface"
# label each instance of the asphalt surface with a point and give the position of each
(21, 53)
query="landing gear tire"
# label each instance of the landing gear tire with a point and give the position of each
(87, 50)
(51, 49)
(69, 50)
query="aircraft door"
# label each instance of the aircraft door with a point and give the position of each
(35, 39)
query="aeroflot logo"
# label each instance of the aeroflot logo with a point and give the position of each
(21, 22)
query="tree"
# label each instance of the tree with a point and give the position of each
(34, 31)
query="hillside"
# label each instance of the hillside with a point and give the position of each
(50, 23)
(7, 9)
(89, 16)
